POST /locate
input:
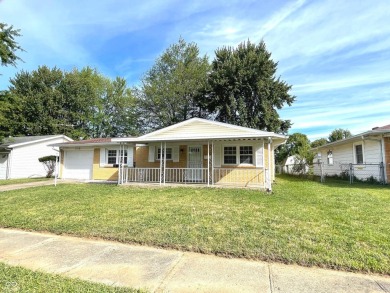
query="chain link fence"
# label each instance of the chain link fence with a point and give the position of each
(352, 173)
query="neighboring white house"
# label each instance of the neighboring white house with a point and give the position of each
(19, 155)
(367, 154)
(293, 165)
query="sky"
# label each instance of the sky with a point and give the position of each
(335, 54)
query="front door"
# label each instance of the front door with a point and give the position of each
(194, 172)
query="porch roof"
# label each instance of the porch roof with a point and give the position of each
(197, 129)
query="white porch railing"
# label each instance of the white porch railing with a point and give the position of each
(143, 175)
(186, 175)
(243, 176)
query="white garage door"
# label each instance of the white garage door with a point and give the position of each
(78, 164)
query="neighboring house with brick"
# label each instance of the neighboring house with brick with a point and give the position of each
(19, 155)
(193, 151)
(367, 154)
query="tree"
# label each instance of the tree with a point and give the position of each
(8, 45)
(297, 144)
(318, 142)
(49, 163)
(244, 90)
(78, 103)
(339, 134)
(171, 89)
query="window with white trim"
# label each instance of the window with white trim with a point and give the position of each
(246, 155)
(330, 157)
(230, 155)
(359, 158)
(111, 157)
(168, 155)
(234, 155)
(114, 156)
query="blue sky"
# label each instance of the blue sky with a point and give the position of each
(336, 54)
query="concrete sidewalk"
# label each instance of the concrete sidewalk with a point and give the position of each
(161, 270)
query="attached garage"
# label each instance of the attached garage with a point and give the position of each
(78, 164)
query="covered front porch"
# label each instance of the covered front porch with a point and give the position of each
(234, 162)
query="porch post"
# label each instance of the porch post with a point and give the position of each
(208, 163)
(212, 162)
(119, 164)
(269, 164)
(161, 169)
(165, 158)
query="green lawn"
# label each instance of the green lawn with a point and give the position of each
(23, 180)
(333, 225)
(17, 279)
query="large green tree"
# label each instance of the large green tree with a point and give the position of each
(172, 88)
(297, 144)
(339, 134)
(318, 142)
(8, 45)
(244, 89)
(78, 103)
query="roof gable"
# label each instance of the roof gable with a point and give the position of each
(202, 128)
(25, 140)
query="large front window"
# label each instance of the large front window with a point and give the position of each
(246, 155)
(114, 157)
(233, 155)
(168, 153)
(229, 155)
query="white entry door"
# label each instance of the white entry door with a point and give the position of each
(194, 173)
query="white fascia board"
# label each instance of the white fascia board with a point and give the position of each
(220, 137)
(79, 145)
(351, 139)
(39, 140)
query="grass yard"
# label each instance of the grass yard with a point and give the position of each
(23, 180)
(17, 279)
(332, 225)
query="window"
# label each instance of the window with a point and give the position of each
(330, 157)
(246, 155)
(359, 154)
(113, 158)
(168, 155)
(230, 155)
(233, 155)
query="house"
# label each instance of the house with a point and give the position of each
(192, 151)
(366, 155)
(19, 155)
(294, 165)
